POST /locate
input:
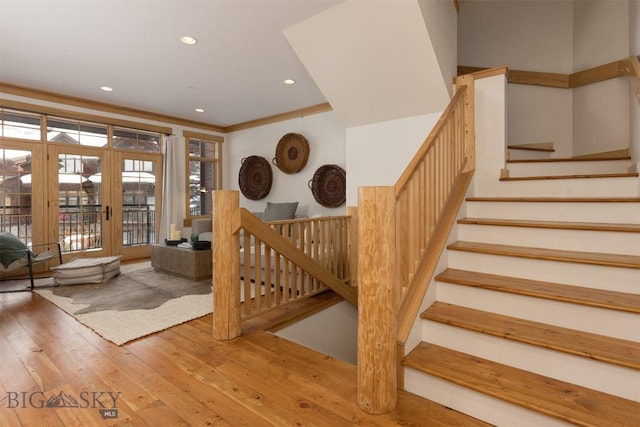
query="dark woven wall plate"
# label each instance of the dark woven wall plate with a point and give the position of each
(329, 186)
(255, 177)
(292, 153)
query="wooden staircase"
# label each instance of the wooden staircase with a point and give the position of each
(537, 314)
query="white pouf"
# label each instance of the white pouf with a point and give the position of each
(86, 270)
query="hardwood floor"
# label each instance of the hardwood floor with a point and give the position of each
(180, 376)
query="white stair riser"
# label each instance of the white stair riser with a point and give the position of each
(595, 320)
(517, 154)
(591, 187)
(568, 168)
(605, 377)
(591, 276)
(618, 213)
(482, 406)
(573, 240)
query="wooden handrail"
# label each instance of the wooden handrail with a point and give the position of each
(283, 261)
(275, 241)
(401, 184)
(402, 231)
(611, 70)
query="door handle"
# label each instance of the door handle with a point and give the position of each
(108, 211)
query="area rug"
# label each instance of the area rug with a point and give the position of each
(136, 303)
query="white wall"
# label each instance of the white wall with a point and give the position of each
(326, 137)
(524, 35)
(553, 36)
(377, 154)
(442, 26)
(601, 114)
(335, 332)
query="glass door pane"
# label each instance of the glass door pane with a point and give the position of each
(16, 215)
(79, 188)
(140, 181)
(138, 203)
(79, 202)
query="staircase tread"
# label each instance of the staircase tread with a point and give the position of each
(536, 146)
(612, 300)
(595, 258)
(556, 199)
(571, 159)
(570, 225)
(565, 401)
(584, 344)
(581, 176)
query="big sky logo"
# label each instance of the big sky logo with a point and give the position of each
(105, 401)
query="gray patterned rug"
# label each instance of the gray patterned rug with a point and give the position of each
(138, 302)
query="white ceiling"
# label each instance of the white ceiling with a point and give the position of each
(375, 60)
(235, 72)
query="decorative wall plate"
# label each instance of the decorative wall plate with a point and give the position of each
(292, 153)
(255, 177)
(329, 185)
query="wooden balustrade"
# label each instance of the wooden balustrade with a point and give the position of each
(400, 241)
(322, 240)
(258, 265)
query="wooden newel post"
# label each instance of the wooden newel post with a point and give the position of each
(226, 265)
(469, 120)
(377, 301)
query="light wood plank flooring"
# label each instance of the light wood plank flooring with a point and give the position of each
(181, 376)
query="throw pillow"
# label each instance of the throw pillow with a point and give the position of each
(11, 249)
(279, 211)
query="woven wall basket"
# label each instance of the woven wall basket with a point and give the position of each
(329, 186)
(292, 153)
(255, 177)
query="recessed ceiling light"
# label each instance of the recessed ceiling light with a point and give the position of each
(106, 88)
(200, 110)
(188, 40)
(289, 81)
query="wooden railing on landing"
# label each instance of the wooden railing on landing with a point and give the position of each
(401, 233)
(279, 262)
(621, 68)
(269, 250)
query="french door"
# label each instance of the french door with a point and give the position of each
(79, 191)
(103, 202)
(136, 202)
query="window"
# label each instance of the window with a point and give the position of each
(76, 132)
(127, 139)
(18, 124)
(204, 172)
(65, 154)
